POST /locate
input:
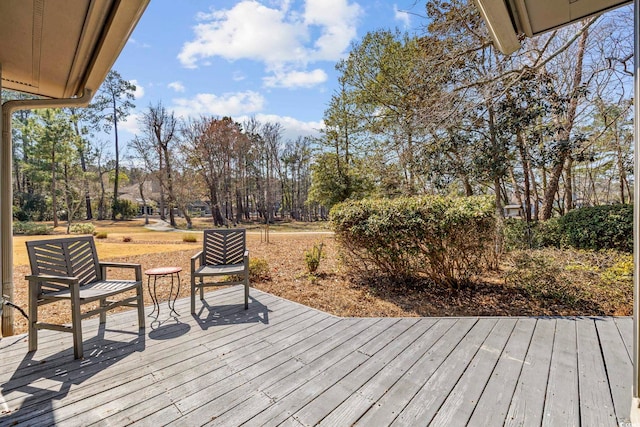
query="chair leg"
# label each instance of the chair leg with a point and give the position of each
(193, 294)
(201, 289)
(103, 314)
(140, 303)
(33, 316)
(246, 292)
(76, 323)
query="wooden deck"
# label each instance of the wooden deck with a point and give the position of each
(281, 363)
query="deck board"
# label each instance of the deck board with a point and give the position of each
(281, 363)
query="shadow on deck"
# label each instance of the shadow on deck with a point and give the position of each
(283, 363)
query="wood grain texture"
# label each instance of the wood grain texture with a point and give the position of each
(280, 363)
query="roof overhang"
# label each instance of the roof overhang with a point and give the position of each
(57, 48)
(508, 20)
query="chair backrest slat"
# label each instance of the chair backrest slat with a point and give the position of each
(224, 247)
(70, 256)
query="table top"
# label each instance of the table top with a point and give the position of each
(161, 271)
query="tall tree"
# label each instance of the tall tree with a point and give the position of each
(161, 129)
(55, 147)
(112, 104)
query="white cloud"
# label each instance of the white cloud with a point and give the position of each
(238, 76)
(295, 79)
(278, 36)
(402, 16)
(131, 123)
(135, 42)
(292, 128)
(177, 86)
(139, 92)
(337, 20)
(228, 104)
(249, 30)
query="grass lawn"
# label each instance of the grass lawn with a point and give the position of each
(528, 284)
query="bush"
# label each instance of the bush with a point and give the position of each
(125, 209)
(519, 234)
(598, 227)
(580, 281)
(258, 269)
(101, 235)
(31, 228)
(189, 238)
(33, 207)
(541, 276)
(312, 258)
(82, 228)
(446, 239)
(127, 239)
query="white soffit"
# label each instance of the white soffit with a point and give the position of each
(538, 16)
(56, 48)
(507, 19)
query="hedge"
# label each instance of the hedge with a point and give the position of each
(445, 239)
(598, 227)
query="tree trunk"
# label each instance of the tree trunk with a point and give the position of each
(116, 179)
(564, 134)
(622, 174)
(568, 185)
(524, 158)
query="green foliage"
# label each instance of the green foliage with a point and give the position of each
(189, 238)
(518, 234)
(101, 235)
(312, 257)
(600, 282)
(332, 181)
(444, 239)
(31, 228)
(599, 227)
(32, 207)
(541, 276)
(258, 269)
(125, 209)
(82, 228)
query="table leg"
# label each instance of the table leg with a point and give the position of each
(172, 305)
(153, 296)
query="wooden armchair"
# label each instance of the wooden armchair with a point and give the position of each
(224, 253)
(68, 269)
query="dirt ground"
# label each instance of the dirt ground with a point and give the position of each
(331, 289)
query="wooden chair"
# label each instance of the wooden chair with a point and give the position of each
(68, 269)
(224, 253)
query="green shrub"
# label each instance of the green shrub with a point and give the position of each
(258, 269)
(82, 228)
(31, 228)
(125, 209)
(101, 235)
(598, 227)
(446, 239)
(574, 281)
(541, 276)
(189, 238)
(518, 234)
(312, 258)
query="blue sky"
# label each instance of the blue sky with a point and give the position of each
(272, 59)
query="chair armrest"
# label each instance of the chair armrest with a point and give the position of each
(50, 278)
(119, 264)
(136, 267)
(194, 259)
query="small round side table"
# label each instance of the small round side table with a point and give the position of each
(163, 272)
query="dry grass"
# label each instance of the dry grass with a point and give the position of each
(331, 289)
